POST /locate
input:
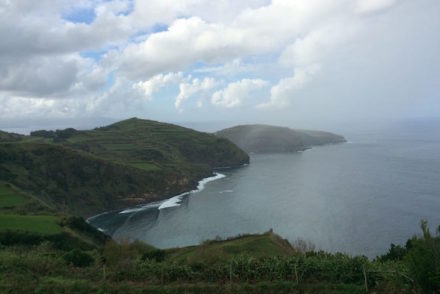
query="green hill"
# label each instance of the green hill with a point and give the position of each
(9, 137)
(267, 139)
(120, 165)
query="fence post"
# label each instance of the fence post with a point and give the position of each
(365, 278)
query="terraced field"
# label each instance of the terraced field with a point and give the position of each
(121, 165)
(40, 224)
(10, 198)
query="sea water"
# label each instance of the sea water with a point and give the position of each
(356, 197)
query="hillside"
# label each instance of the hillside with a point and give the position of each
(9, 137)
(26, 220)
(123, 164)
(247, 264)
(267, 139)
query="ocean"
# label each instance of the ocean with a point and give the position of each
(356, 198)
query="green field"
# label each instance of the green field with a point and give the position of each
(40, 224)
(10, 197)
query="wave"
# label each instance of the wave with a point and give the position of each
(140, 208)
(226, 191)
(96, 216)
(176, 200)
(173, 201)
(203, 182)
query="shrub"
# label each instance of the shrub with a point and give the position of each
(78, 258)
(396, 252)
(423, 260)
(156, 255)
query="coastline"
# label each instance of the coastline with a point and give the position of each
(173, 201)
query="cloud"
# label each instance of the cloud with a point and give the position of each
(186, 41)
(38, 76)
(33, 31)
(236, 93)
(157, 82)
(128, 52)
(189, 89)
(282, 93)
(369, 6)
(319, 43)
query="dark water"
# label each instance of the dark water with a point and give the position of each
(355, 198)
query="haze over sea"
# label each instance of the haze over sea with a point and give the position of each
(356, 197)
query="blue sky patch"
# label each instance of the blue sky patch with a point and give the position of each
(82, 15)
(95, 55)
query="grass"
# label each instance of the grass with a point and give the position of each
(257, 246)
(145, 166)
(247, 264)
(11, 198)
(40, 224)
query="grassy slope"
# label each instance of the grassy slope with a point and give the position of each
(40, 224)
(253, 263)
(24, 218)
(265, 138)
(10, 197)
(157, 145)
(4, 136)
(257, 246)
(133, 161)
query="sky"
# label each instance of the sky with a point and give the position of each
(300, 63)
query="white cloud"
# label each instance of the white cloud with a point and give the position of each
(283, 92)
(44, 57)
(153, 85)
(236, 93)
(185, 42)
(368, 6)
(317, 44)
(196, 86)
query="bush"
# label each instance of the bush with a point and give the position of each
(78, 258)
(80, 225)
(423, 260)
(156, 255)
(396, 252)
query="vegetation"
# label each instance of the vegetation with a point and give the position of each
(421, 254)
(269, 265)
(25, 220)
(10, 198)
(9, 137)
(264, 138)
(124, 164)
(42, 224)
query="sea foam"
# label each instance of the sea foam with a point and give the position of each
(176, 200)
(140, 208)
